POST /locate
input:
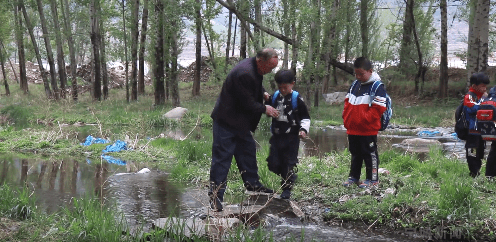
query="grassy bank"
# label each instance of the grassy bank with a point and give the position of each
(435, 193)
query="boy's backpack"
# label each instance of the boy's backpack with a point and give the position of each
(461, 124)
(386, 116)
(294, 99)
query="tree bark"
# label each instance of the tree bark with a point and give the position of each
(2, 63)
(478, 38)
(95, 42)
(125, 51)
(228, 44)
(406, 41)
(158, 64)
(364, 28)
(198, 23)
(20, 49)
(48, 47)
(48, 92)
(103, 63)
(141, 71)
(176, 102)
(443, 66)
(70, 43)
(134, 50)
(60, 50)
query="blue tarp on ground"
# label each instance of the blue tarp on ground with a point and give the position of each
(428, 133)
(113, 160)
(92, 140)
(115, 147)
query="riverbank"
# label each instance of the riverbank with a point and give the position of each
(436, 195)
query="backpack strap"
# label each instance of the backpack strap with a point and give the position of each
(274, 97)
(373, 90)
(294, 99)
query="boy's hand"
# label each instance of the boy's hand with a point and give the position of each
(303, 134)
(271, 112)
(266, 96)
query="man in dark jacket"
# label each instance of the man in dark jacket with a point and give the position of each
(236, 114)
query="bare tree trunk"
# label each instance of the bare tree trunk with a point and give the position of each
(20, 49)
(234, 37)
(103, 59)
(72, 51)
(406, 41)
(158, 64)
(295, 37)
(141, 71)
(420, 64)
(483, 15)
(287, 32)
(198, 20)
(176, 102)
(258, 18)
(134, 50)
(48, 47)
(228, 44)
(477, 39)
(125, 51)
(364, 28)
(95, 42)
(210, 48)
(443, 66)
(48, 92)
(242, 47)
(5, 83)
(60, 51)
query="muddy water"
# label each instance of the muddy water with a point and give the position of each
(145, 197)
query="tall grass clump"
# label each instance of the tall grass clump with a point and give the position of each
(16, 204)
(457, 200)
(91, 220)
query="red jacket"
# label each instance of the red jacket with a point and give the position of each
(360, 118)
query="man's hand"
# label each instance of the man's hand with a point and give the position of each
(266, 96)
(271, 112)
(303, 134)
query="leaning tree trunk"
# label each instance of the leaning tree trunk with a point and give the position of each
(20, 49)
(158, 64)
(48, 48)
(48, 92)
(443, 66)
(134, 50)
(198, 22)
(95, 42)
(60, 51)
(141, 69)
(70, 43)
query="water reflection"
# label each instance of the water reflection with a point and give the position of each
(139, 196)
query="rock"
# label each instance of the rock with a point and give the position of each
(143, 171)
(176, 113)
(335, 97)
(418, 145)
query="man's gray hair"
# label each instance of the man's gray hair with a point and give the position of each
(266, 54)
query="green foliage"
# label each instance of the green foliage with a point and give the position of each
(16, 204)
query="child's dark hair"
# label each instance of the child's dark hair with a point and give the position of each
(363, 63)
(479, 78)
(285, 76)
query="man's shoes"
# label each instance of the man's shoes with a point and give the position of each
(350, 182)
(286, 194)
(216, 204)
(259, 188)
(368, 184)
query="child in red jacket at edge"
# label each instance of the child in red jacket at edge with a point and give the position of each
(362, 119)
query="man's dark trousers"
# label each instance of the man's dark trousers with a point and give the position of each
(229, 142)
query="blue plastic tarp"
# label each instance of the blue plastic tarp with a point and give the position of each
(115, 147)
(113, 160)
(92, 140)
(428, 133)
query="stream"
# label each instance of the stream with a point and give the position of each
(144, 197)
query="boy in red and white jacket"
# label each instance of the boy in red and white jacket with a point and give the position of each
(362, 119)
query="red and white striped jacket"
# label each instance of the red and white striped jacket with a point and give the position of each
(359, 117)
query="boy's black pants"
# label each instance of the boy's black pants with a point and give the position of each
(474, 148)
(283, 157)
(364, 149)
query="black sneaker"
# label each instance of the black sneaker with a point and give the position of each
(216, 204)
(286, 194)
(259, 188)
